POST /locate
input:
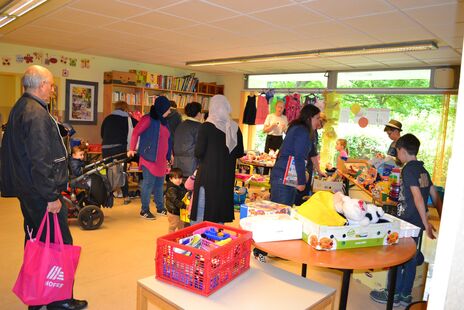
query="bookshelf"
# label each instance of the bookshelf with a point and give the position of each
(141, 98)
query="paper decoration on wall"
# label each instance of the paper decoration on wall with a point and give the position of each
(64, 60)
(38, 56)
(363, 122)
(355, 108)
(19, 58)
(6, 61)
(85, 63)
(73, 62)
(65, 72)
(28, 58)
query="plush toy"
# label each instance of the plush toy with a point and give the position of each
(374, 213)
(353, 209)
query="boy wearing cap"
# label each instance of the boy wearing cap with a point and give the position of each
(393, 130)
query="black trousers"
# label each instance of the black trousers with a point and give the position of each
(33, 209)
(274, 143)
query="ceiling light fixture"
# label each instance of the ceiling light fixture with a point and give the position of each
(17, 8)
(345, 51)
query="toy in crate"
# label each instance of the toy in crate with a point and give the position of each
(263, 207)
(204, 257)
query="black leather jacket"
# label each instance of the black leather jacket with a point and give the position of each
(34, 158)
(174, 195)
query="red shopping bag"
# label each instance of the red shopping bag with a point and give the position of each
(48, 269)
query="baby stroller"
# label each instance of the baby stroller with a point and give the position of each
(94, 189)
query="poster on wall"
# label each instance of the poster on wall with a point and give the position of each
(81, 102)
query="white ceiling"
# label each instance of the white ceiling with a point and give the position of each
(171, 32)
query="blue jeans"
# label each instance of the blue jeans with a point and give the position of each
(405, 276)
(152, 183)
(200, 207)
(283, 194)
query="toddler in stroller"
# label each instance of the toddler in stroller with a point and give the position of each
(92, 190)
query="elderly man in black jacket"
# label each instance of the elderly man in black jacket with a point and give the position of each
(34, 162)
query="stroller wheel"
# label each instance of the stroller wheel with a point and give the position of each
(90, 217)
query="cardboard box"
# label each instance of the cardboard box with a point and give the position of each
(263, 207)
(141, 77)
(272, 227)
(118, 77)
(346, 237)
(406, 229)
(321, 185)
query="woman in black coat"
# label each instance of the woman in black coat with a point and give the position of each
(185, 139)
(219, 144)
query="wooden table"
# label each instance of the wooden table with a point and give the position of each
(262, 287)
(255, 164)
(345, 260)
(389, 206)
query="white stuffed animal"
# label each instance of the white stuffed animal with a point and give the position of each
(353, 209)
(374, 213)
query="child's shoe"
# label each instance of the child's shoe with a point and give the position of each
(382, 297)
(405, 300)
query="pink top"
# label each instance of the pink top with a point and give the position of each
(292, 106)
(262, 110)
(157, 168)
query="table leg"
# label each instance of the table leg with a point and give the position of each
(303, 270)
(391, 286)
(345, 287)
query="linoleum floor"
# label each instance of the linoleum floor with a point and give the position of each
(119, 253)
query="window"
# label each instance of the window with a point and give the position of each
(385, 79)
(296, 80)
(420, 115)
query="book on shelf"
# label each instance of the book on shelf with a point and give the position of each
(131, 99)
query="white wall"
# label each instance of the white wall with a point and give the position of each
(448, 273)
(233, 83)
(233, 86)
(98, 65)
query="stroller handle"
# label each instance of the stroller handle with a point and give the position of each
(97, 168)
(106, 159)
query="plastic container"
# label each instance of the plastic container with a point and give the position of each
(202, 271)
(95, 148)
(394, 191)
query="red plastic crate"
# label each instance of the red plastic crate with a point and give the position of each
(96, 148)
(203, 272)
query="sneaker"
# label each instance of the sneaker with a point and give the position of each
(163, 212)
(147, 215)
(127, 200)
(405, 300)
(382, 297)
(117, 194)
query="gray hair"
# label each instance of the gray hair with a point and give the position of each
(33, 78)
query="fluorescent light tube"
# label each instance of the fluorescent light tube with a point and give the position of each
(348, 51)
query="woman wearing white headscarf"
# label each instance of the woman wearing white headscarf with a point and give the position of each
(218, 146)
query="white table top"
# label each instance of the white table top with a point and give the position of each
(262, 287)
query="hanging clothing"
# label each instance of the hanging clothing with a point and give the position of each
(269, 95)
(262, 110)
(292, 106)
(310, 99)
(249, 115)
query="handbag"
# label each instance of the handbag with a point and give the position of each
(290, 175)
(48, 269)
